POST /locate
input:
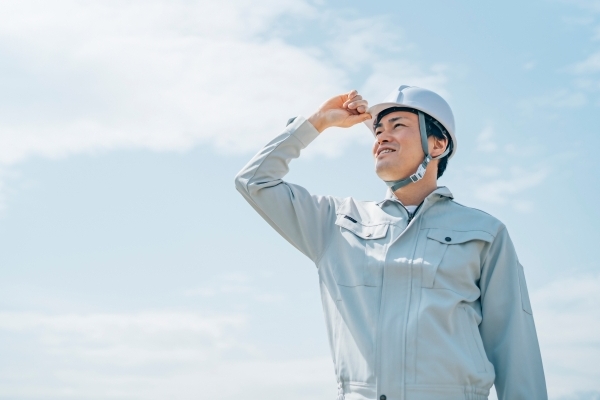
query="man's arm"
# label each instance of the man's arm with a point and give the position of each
(290, 209)
(507, 327)
(302, 219)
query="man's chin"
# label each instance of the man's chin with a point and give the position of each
(388, 175)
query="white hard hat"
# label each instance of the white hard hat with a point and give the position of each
(420, 99)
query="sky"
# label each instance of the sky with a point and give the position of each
(130, 268)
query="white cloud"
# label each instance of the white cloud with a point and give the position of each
(509, 186)
(388, 75)
(3, 188)
(578, 21)
(588, 66)
(485, 140)
(186, 355)
(589, 5)
(137, 338)
(149, 355)
(160, 75)
(558, 99)
(234, 284)
(568, 323)
(596, 36)
(501, 173)
(587, 84)
(364, 41)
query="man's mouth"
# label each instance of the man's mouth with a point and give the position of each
(384, 151)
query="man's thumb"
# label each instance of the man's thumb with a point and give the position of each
(362, 117)
(356, 119)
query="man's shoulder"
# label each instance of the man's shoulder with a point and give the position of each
(461, 217)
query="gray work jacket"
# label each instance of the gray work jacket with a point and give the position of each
(431, 306)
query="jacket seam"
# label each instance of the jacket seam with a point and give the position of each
(472, 208)
(488, 252)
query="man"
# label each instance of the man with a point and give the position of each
(424, 298)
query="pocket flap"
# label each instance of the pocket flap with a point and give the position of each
(352, 224)
(448, 236)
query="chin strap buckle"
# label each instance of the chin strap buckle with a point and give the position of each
(417, 176)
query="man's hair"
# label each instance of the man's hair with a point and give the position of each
(433, 128)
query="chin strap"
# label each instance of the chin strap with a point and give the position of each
(420, 173)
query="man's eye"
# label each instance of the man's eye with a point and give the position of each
(397, 125)
(377, 133)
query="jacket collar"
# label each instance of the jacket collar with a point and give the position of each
(441, 191)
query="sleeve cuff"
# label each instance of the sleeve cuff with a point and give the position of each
(303, 130)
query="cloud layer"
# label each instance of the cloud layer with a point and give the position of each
(83, 77)
(568, 324)
(160, 354)
(150, 355)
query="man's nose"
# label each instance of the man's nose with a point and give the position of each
(382, 137)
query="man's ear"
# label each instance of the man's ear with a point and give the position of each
(437, 146)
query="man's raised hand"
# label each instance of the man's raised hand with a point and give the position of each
(342, 111)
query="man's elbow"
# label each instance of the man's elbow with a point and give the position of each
(241, 181)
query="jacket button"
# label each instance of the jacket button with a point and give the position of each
(369, 234)
(382, 397)
(448, 238)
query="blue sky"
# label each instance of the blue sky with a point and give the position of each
(131, 268)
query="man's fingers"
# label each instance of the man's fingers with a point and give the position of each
(358, 105)
(352, 99)
(351, 94)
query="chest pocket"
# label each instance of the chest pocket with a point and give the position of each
(361, 254)
(455, 247)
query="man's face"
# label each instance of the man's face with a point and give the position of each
(397, 148)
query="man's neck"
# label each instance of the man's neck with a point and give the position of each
(414, 193)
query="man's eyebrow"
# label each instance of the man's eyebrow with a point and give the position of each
(390, 120)
(396, 119)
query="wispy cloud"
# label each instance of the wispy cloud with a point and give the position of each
(158, 75)
(149, 355)
(234, 284)
(564, 98)
(485, 140)
(590, 65)
(137, 338)
(389, 74)
(596, 36)
(568, 323)
(509, 187)
(588, 5)
(171, 75)
(501, 173)
(161, 354)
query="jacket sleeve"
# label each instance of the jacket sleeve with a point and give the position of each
(507, 327)
(302, 219)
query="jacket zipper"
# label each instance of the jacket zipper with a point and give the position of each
(411, 216)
